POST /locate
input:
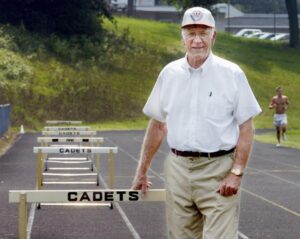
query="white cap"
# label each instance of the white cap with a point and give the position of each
(198, 16)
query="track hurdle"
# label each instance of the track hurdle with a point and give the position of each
(72, 122)
(44, 141)
(77, 197)
(68, 133)
(40, 151)
(67, 128)
(89, 141)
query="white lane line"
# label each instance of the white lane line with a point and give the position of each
(240, 234)
(122, 213)
(135, 159)
(271, 202)
(285, 164)
(30, 220)
(274, 176)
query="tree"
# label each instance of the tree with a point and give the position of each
(292, 10)
(55, 16)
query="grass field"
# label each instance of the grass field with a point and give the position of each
(293, 139)
(117, 91)
(267, 64)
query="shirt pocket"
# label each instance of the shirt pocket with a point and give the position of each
(218, 109)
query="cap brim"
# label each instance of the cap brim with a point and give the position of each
(197, 24)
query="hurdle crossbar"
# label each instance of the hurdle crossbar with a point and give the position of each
(70, 139)
(86, 196)
(63, 122)
(67, 128)
(75, 150)
(69, 133)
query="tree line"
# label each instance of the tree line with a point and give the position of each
(64, 17)
(83, 17)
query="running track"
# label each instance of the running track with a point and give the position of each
(270, 206)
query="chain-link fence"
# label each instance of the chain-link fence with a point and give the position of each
(4, 118)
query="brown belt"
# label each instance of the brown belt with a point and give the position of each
(202, 154)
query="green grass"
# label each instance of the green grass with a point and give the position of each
(135, 124)
(293, 139)
(158, 35)
(267, 64)
(114, 88)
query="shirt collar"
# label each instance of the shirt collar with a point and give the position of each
(202, 68)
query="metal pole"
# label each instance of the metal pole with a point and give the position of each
(228, 16)
(130, 7)
(23, 216)
(274, 16)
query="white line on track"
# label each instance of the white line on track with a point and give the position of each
(30, 220)
(274, 176)
(240, 234)
(135, 159)
(122, 213)
(271, 202)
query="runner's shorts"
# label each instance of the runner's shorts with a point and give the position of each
(280, 119)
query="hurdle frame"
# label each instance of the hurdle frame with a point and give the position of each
(72, 122)
(79, 150)
(69, 133)
(35, 196)
(67, 128)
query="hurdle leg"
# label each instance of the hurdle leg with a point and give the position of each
(111, 170)
(23, 216)
(40, 170)
(97, 169)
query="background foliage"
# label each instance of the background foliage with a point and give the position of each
(64, 17)
(81, 78)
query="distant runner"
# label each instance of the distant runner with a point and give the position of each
(280, 103)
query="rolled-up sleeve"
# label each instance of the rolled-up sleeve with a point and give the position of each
(153, 108)
(246, 103)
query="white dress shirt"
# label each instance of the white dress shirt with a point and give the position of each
(202, 107)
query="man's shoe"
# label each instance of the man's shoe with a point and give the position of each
(278, 145)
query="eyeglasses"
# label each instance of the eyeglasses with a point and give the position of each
(192, 34)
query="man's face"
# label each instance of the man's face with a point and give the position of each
(279, 91)
(198, 40)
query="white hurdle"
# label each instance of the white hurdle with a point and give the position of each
(67, 128)
(44, 141)
(72, 122)
(40, 151)
(88, 141)
(69, 133)
(77, 197)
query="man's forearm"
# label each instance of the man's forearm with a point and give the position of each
(153, 138)
(244, 144)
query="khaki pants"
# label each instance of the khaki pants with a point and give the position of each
(194, 208)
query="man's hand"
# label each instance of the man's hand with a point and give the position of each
(141, 182)
(230, 185)
(272, 105)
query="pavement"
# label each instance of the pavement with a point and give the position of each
(270, 204)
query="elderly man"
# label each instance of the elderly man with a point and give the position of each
(205, 106)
